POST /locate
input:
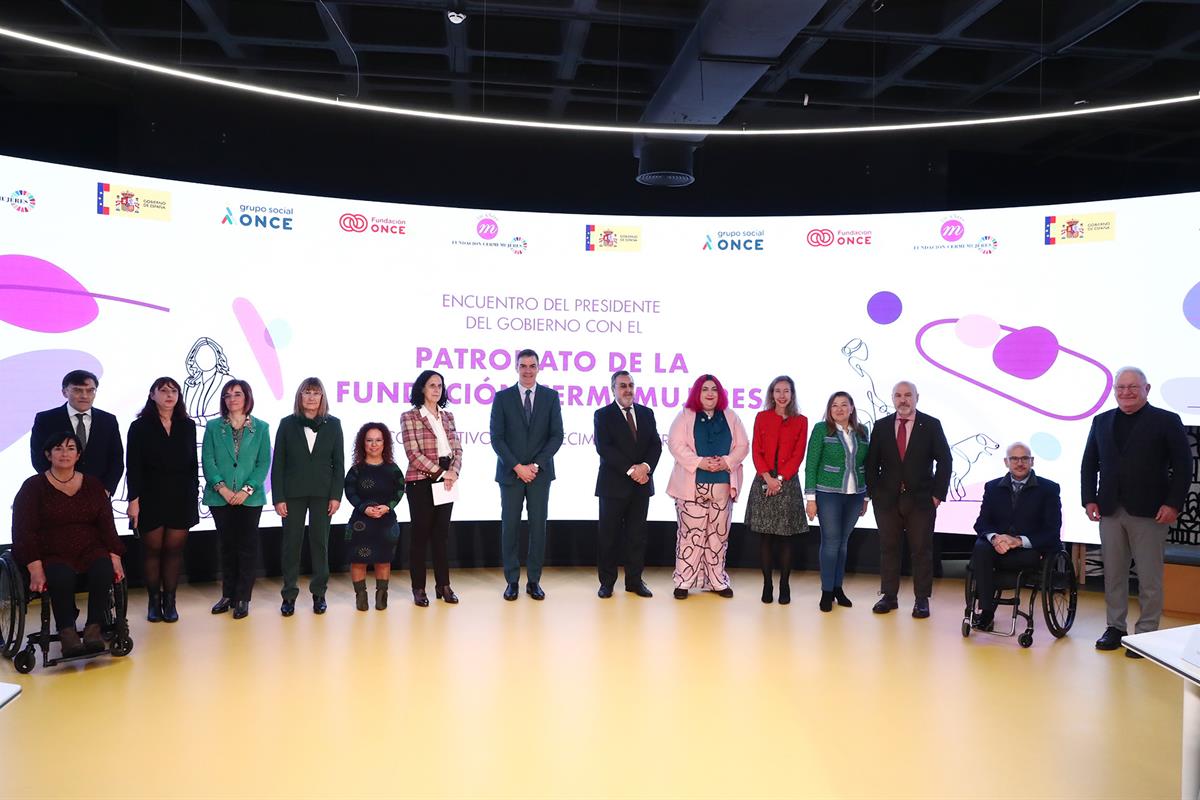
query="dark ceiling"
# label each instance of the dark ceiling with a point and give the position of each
(752, 63)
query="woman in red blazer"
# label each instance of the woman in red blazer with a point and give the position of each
(775, 509)
(434, 456)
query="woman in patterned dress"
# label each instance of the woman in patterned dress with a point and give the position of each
(374, 486)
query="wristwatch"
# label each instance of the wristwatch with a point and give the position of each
(248, 489)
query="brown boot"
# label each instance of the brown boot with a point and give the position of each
(71, 645)
(93, 641)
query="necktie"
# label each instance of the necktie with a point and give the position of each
(528, 406)
(80, 430)
(1016, 490)
(629, 419)
(902, 438)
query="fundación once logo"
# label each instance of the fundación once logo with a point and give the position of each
(359, 223)
(824, 237)
(725, 241)
(21, 201)
(252, 216)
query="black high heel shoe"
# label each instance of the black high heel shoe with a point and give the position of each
(420, 598)
(445, 593)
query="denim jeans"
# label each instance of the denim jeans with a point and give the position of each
(837, 514)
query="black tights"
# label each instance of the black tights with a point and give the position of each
(783, 544)
(163, 551)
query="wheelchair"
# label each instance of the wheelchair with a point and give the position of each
(14, 601)
(1053, 579)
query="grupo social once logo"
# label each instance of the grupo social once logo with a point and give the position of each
(820, 237)
(487, 228)
(952, 230)
(353, 223)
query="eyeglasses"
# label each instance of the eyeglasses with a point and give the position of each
(1021, 459)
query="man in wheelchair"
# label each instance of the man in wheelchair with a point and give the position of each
(62, 528)
(1019, 521)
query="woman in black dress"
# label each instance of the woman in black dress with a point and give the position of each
(374, 486)
(164, 487)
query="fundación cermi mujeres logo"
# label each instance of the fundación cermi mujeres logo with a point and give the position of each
(22, 201)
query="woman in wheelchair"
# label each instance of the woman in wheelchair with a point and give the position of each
(63, 527)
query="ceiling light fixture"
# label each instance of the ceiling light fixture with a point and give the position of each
(651, 130)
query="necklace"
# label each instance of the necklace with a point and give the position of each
(68, 480)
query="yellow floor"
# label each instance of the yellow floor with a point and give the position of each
(582, 698)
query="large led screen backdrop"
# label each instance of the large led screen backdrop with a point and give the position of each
(1010, 321)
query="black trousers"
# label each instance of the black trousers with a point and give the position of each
(984, 563)
(430, 524)
(912, 519)
(622, 515)
(60, 585)
(237, 532)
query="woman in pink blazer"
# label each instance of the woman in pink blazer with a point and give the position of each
(709, 443)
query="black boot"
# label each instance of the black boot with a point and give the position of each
(360, 595)
(785, 592)
(827, 601)
(768, 591)
(154, 609)
(841, 598)
(381, 590)
(169, 614)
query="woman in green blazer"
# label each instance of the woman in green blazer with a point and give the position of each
(236, 455)
(306, 480)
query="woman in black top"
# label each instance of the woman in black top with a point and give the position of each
(374, 486)
(164, 487)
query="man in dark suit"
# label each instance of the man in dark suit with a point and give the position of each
(627, 440)
(526, 430)
(1019, 520)
(1136, 470)
(906, 492)
(103, 455)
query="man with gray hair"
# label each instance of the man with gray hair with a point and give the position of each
(1136, 470)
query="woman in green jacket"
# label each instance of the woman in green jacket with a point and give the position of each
(837, 489)
(306, 481)
(236, 455)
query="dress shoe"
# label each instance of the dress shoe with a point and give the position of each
(445, 594)
(921, 608)
(681, 594)
(242, 609)
(511, 591)
(154, 607)
(169, 614)
(222, 605)
(319, 605)
(381, 593)
(287, 608)
(1110, 639)
(639, 588)
(785, 593)
(93, 640)
(72, 645)
(826, 603)
(420, 598)
(726, 592)
(885, 604)
(768, 595)
(360, 595)
(986, 620)
(1132, 654)
(534, 590)
(604, 592)
(841, 598)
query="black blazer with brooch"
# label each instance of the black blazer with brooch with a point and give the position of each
(1036, 514)
(1154, 469)
(886, 472)
(295, 472)
(619, 450)
(103, 456)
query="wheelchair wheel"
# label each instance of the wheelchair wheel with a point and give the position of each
(966, 628)
(121, 645)
(1025, 639)
(12, 606)
(25, 660)
(1060, 595)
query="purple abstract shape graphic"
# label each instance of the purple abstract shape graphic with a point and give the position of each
(1108, 378)
(1028, 353)
(884, 308)
(31, 382)
(261, 344)
(1191, 306)
(39, 296)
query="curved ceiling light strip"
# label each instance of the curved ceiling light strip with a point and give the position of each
(649, 130)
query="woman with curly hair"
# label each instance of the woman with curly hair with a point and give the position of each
(374, 486)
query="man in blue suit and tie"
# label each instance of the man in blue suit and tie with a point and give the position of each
(526, 431)
(103, 456)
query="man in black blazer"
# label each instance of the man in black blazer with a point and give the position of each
(103, 454)
(526, 431)
(627, 440)
(1136, 470)
(1020, 519)
(906, 492)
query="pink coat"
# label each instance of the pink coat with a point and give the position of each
(681, 441)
